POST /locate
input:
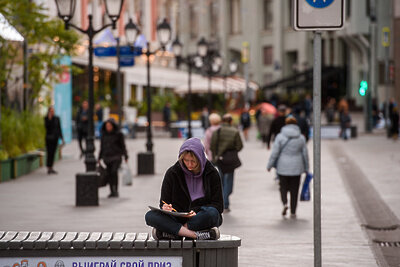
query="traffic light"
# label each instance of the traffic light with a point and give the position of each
(363, 88)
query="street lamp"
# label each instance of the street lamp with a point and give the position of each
(146, 160)
(210, 60)
(85, 182)
(189, 60)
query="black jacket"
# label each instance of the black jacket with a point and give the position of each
(53, 128)
(112, 144)
(175, 191)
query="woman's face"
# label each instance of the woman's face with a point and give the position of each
(190, 162)
(109, 126)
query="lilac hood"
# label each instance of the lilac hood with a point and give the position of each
(194, 181)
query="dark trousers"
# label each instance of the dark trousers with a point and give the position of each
(289, 184)
(51, 147)
(206, 218)
(82, 135)
(112, 172)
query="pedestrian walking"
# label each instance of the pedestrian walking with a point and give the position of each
(330, 110)
(215, 121)
(245, 122)
(394, 126)
(167, 115)
(112, 148)
(204, 118)
(290, 159)
(82, 125)
(302, 122)
(53, 135)
(226, 140)
(277, 124)
(345, 121)
(264, 125)
(99, 119)
(191, 185)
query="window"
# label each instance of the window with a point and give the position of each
(268, 14)
(214, 26)
(194, 21)
(235, 16)
(267, 55)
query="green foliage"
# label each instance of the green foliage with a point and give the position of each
(47, 39)
(3, 154)
(21, 132)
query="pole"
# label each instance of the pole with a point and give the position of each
(90, 160)
(119, 84)
(189, 97)
(26, 81)
(317, 149)
(246, 76)
(387, 90)
(372, 67)
(149, 144)
(209, 92)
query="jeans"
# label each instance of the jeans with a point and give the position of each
(289, 184)
(206, 218)
(51, 146)
(227, 187)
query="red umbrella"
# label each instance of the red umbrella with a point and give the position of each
(267, 108)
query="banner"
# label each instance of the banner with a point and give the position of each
(130, 261)
(63, 99)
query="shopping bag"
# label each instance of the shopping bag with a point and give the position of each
(126, 174)
(103, 181)
(305, 190)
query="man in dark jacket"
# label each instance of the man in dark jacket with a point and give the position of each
(82, 124)
(192, 185)
(112, 148)
(224, 139)
(53, 134)
(277, 124)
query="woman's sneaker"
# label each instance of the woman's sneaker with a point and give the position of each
(159, 235)
(212, 234)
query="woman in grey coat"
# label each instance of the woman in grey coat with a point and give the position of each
(290, 158)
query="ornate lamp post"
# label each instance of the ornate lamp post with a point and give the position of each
(87, 183)
(233, 67)
(146, 160)
(211, 62)
(66, 10)
(189, 60)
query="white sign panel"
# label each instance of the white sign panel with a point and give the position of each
(318, 15)
(136, 261)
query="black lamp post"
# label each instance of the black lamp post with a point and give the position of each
(146, 160)
(66, 9)
(211, 62)
(87, 183)
(189, 60)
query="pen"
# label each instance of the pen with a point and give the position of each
(167, 204)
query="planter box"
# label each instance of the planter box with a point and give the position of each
(33, 162)
(20, 165)
(6, 170)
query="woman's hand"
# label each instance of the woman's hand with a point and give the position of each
(167, 207)
(191, 214)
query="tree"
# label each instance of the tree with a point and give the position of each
(47, 40)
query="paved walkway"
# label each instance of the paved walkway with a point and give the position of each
(38, 202)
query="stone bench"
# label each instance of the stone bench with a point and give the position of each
(96, 249)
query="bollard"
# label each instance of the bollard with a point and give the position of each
(87, 189)
(145, 163)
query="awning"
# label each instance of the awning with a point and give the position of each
(170, 77)
(8, 32)
(218, 85)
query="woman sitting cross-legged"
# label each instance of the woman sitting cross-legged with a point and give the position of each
(191, 185)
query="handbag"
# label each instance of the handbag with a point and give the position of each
(103, 180)
(305, 190)
(229, 160)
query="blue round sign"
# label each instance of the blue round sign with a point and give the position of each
(320, 3)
